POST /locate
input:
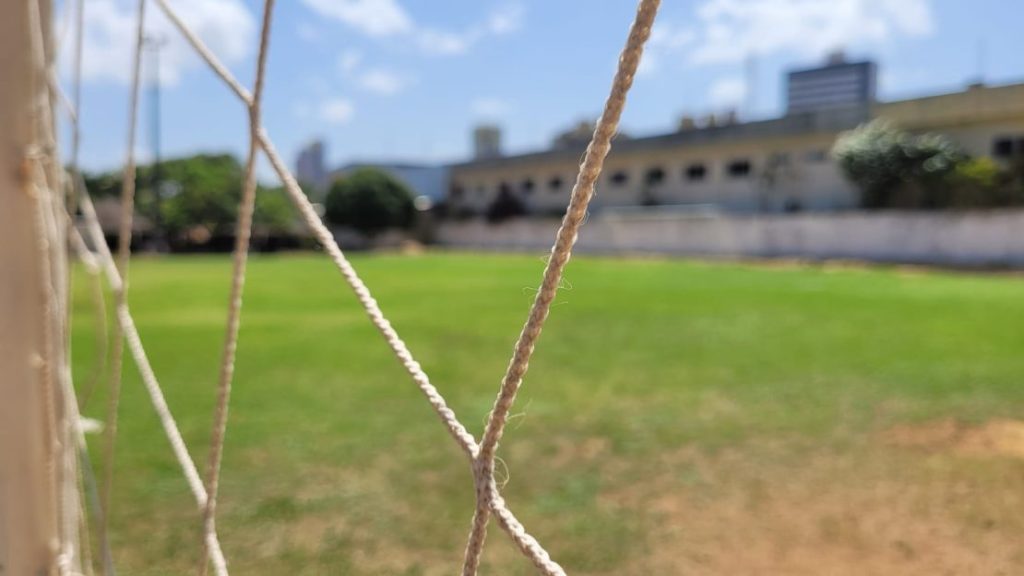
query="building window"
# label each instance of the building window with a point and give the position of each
(738, 169)
(1002, 148)
(815, 156)
(619, 178)
(654, 176)
(696, 172)
(456, 192)
(555, 184)
(527, 186)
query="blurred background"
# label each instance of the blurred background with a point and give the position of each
(790, 344)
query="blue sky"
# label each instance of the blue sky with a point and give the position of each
(407, 79)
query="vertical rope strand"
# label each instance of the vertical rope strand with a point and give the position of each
(582, 192)
(243, 232)
(42, 179)
(124, 242)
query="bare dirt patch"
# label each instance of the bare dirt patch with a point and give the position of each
(996, 438)
(882, 512)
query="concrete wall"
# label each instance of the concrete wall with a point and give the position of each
(962, 239)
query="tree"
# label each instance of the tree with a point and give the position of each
(504, 206)
(273, 213)
(895, 169)
(198, 191)
(199, 194)
(370, 201)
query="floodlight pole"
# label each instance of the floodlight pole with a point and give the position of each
(31, 459)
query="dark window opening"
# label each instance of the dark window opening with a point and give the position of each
(619, 178)
(555, 183)
(654, 176)
(738, 168)
(814, 156)
(696, 172)
(1002, 148)
(456, 192)
(527, 186)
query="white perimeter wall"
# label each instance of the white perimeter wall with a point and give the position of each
(967, 238)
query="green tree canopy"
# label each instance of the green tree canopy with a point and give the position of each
(198, 191)
(370, 201)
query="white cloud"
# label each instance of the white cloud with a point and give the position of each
(371, 17)
(337, 110)
(733, 29)
(506, 19)
(489, 108)
(667, 42)
(382, 81)
(444, 43)
(387, 18)
(349, 60)
(727, 92)
(226, 26)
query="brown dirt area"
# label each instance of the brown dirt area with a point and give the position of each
(941, 498)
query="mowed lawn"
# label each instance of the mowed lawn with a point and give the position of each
(677, 418)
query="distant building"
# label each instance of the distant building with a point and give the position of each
(838, 84)
(775, 165)
(309, 166)
(486, 142)
(422, 180)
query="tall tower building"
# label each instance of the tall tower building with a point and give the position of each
(486, 141)
(309, 166)
(837, 84)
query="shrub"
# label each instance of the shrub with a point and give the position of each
(370, 201)
(895, 169)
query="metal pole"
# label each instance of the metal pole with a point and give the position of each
(155, 44)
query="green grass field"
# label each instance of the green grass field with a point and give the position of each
(678, 417)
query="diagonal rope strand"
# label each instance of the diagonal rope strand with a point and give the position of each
(582, 192)
(323, 235)
(243, 232)
(205, 53)
(488, 496)
(149, 380)
(326, 239)
(527, 544)
(506, 519)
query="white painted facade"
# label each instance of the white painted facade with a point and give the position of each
(773, 166)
